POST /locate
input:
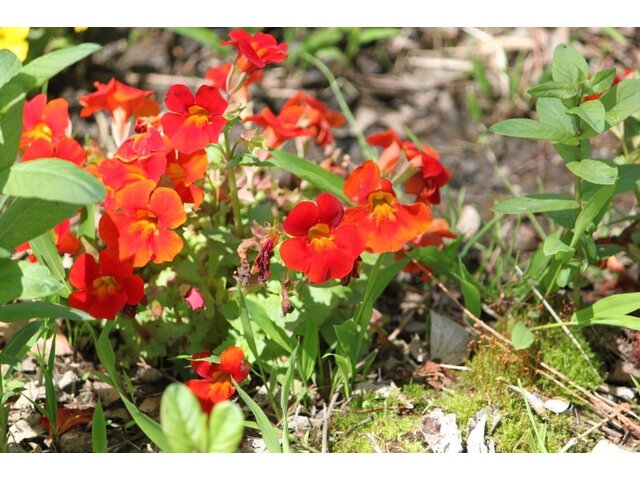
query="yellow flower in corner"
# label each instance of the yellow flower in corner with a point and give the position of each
(14, 39)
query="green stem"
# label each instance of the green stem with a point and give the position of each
(547, 326)
(344, 106)
(233, 187)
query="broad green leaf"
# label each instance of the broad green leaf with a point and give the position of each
(593, 113)
(99, 430)
(594, 171)
(27, 218)
(259, 316)
(53, 180)
(527, 128)
(10, 131)
(9, 66)
(226, 424)
(553, 89)
(611, 306)
(553, 245)
(313, 173)
(621, 101)
(628, 178)
(552, 112)
(247, 329)
(37, 72)
(595, 205)
(535, 204)
(16, 312)
(183, 422)
(521, 336)
(268, 431)
(310, 350)
(568, 65)
(602, 80)
(25, 280)
(204, 35)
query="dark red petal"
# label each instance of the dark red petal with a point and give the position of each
(84, 271)
(209, 98)
(330, 210)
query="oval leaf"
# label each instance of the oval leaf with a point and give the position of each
(226, 425)
(521, 336)
(527, 128)
(27, 310)
(594, 171)
(183, 422)
(52, 180)
(535, 204)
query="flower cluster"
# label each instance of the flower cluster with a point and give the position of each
(327, 239)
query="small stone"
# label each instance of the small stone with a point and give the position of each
(151, 406)
(106, 393)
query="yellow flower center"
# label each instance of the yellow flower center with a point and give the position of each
(104, 287)
(40, 131)
(320, 236)
(383, 206)
(198, 115)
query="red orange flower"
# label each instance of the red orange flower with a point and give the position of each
(432, 176)
(215, 386)
(256, 51)
(44, 121)
(390, 143)
(121, 100)
(184, 171)
(192, 123)
(323, 247)
(300, 116)
(219, 76)
(104, 288)
(143, 229)
(64, 148)
(385, 223)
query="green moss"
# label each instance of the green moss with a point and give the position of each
(557, 350)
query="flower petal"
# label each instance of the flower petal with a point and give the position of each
(233, 362)
(179, 98)
(301, 219)
(209, 98)
(362, 181)
(165, 245)
(84, 271)
(330, 210)
(167, 206)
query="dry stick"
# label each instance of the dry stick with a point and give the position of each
(595, 403)
(358, 425)
(374, 444)
(327, 415)
(573, 441)
(556, 317)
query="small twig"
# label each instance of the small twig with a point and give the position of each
(327, 415)
(573, 441)
(374, 444)
(358, 425)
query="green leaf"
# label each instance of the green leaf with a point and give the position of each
(22, 341)
(621, 101)
(269, 434)
(595, 205)
(183, 422)
(53, 180)
(27, 218)
(628, 178)
(44, 247)
(568, 65)
(37, 72)
(594, 171)
(611, 306)
(521, 336)
(204, 35)
(310, 349)
(317, 176)
(602, 80)
(317, 40)
(151, 428)
(10, 131)
(16, 312)
(622, 321)
(593, 113)
(25, 280)
(554, 90)
(554, 245)
(9, 66)
(373, 34)
(259, 316)
(527, 128)
(99, 430)
(226, 425)
(346, 369)
(535, 204)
